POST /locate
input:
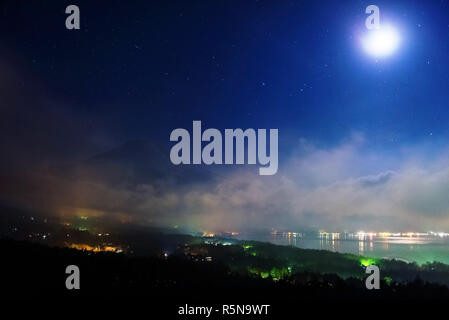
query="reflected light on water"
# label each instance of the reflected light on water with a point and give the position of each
(361, 247)
(407, 246)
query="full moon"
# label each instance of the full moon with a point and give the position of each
(381, 42)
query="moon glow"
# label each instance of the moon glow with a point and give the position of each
(381, 42)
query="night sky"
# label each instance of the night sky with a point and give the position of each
(362, 139)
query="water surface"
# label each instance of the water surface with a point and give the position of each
(419, 249)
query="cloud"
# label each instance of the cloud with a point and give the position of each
(334, 189)
(375, 180)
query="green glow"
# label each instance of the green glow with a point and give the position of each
(280, 273)
(275, 273)
(367, 262)
(388, 280)
(262, 274)
(253, 271)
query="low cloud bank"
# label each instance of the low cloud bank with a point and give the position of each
(341, 188)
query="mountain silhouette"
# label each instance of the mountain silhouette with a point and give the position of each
(139, 162)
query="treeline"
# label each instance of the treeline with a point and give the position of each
(35, 269)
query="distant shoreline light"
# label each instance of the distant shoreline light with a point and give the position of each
(363, 234)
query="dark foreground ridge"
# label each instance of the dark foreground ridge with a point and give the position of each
(34, 269)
